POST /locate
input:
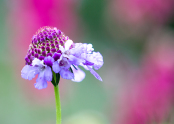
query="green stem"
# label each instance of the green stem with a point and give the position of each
(58, 107)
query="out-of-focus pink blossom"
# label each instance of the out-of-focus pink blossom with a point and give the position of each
(148, 97)
(142, 11)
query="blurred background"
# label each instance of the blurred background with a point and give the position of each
(136, 39)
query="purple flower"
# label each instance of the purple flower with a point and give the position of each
(55, 53)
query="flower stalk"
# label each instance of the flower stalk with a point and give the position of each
(58, 105)
(55, 82)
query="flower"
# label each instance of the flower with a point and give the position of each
(51, 52)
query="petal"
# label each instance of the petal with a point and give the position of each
(48, 73)
(74, 60)
(77, 50)
(68, 43)
(66, 74)
(99, 60)
(64, 63)
(48, 61)
(95, 58)
(79, 75)
(29, 72)
(32, 73)
(84, 66)
(88, 48)
(56, 67)
(56, 56)
(61, 48)
(41, 82)
(36, 61)
(96, 75)
(25, 71)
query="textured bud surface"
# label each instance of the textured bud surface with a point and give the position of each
(45, 43)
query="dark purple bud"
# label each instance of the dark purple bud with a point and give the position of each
(61, 42)
(56, 56)
(41, 36)
(44, 53)
(46, 36)
(41, 57)
(47, 44)
(29, 56)
(42, 40)
(48, 49)
(34, 46)
(59, 51)
(52, 45)
(38, 51)
(54, 35)
(50, 37)
(38, 38)
(36, 55)
(35, 50)
(32, 53)
(27, 60)
(57, 46)
(44, 32)
(46, 41)
(43, 47)
(56, 42)
(49, 54)
(35, 41)
(53, 50)
(43, 44)
(51, 41)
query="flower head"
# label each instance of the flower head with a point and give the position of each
(51, 52)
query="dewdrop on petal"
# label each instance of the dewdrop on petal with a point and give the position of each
(51, 52)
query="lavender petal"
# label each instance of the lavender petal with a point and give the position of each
(56, 67)
(29, 72)
(79, 75)
(40, 82)
(48, 73)
(74, 60)
(96, 75)
(32, 73)
(66, 74)
(25, 71)
(98, 60)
